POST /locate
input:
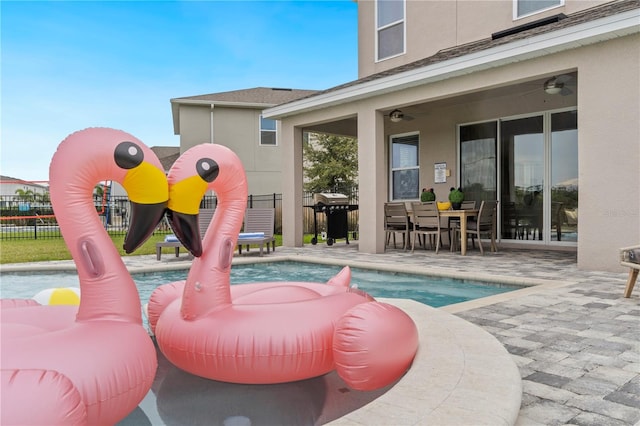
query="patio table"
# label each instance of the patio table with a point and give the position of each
(463, 215)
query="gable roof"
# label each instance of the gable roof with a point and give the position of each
(167, 155)
(257, 97)
(614, 19)
(265, 96)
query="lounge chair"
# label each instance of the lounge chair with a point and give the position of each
(204, 218)
(630, 258)
(258, 230)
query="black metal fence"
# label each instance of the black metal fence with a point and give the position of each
(30, 220)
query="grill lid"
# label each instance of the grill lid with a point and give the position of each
(330, 199)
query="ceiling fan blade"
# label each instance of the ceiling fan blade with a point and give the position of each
(563, 78)
(407, 117)
(565, 91)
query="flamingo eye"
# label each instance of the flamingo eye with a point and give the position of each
(128, 155)
(207, 169)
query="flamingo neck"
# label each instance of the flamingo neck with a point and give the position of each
(208, 284)
(107, 290)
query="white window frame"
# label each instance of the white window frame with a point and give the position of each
(274, 131)
(402, 21)
(392, 169)
(515, 9)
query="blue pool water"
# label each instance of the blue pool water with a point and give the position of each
(432, 291)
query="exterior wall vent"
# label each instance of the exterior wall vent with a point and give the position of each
(524, 27)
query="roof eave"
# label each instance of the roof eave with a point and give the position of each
(598, 30)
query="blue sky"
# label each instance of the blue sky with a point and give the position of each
(71, 65)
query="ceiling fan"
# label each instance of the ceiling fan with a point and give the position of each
(557, 85)
(397, 115)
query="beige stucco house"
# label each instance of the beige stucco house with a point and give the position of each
(234, 119)
(512, 100)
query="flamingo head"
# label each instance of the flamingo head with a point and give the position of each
(146, 184)
(202, 168)
(97, 154)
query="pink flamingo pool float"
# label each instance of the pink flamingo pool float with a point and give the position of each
(264, 332)
(92, 363)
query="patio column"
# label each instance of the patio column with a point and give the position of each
(292, 178)
(372, 177)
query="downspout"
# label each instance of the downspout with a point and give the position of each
(211, 124)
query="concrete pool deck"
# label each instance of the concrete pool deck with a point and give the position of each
(573, 337)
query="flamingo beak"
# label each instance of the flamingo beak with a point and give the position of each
(184, 205)
(144, 220)
(185, 226)
(149, 195)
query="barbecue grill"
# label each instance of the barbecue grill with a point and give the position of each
(335, 207)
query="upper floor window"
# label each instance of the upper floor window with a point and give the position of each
(529, 7)
(390, 28)
(267, 131)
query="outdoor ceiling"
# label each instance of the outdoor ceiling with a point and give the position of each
(348, 126)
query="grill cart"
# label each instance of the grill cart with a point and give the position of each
(335, 207)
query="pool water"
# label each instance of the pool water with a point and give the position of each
(432, 291)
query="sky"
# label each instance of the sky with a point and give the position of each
(69, 65)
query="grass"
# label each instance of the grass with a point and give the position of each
(42, 250)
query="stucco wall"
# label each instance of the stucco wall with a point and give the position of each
(439, 24)
(609, 157)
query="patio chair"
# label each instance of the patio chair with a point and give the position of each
(426, 222)
(258, 230)
(630, 258)
(204, 218)
(484, 224)
(396, 220)
(454, 222)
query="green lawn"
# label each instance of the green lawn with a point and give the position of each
(20, 251)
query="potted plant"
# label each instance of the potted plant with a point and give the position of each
(456, 196)
(427, 195)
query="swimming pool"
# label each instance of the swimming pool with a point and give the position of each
(432, 291)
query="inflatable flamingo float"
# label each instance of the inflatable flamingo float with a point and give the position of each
(265, 332)
(92, 363)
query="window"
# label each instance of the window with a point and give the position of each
(267, 131)
(405, 168)
(389, 28)
(523, 8)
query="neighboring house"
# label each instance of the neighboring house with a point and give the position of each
(533, 103)
(234, 119)
(9, 186)
(167, 155)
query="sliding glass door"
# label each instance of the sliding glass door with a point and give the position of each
(536, 175)
(522, 177)
(478, 161)
(563, 221)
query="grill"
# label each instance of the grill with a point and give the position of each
(335, 207)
